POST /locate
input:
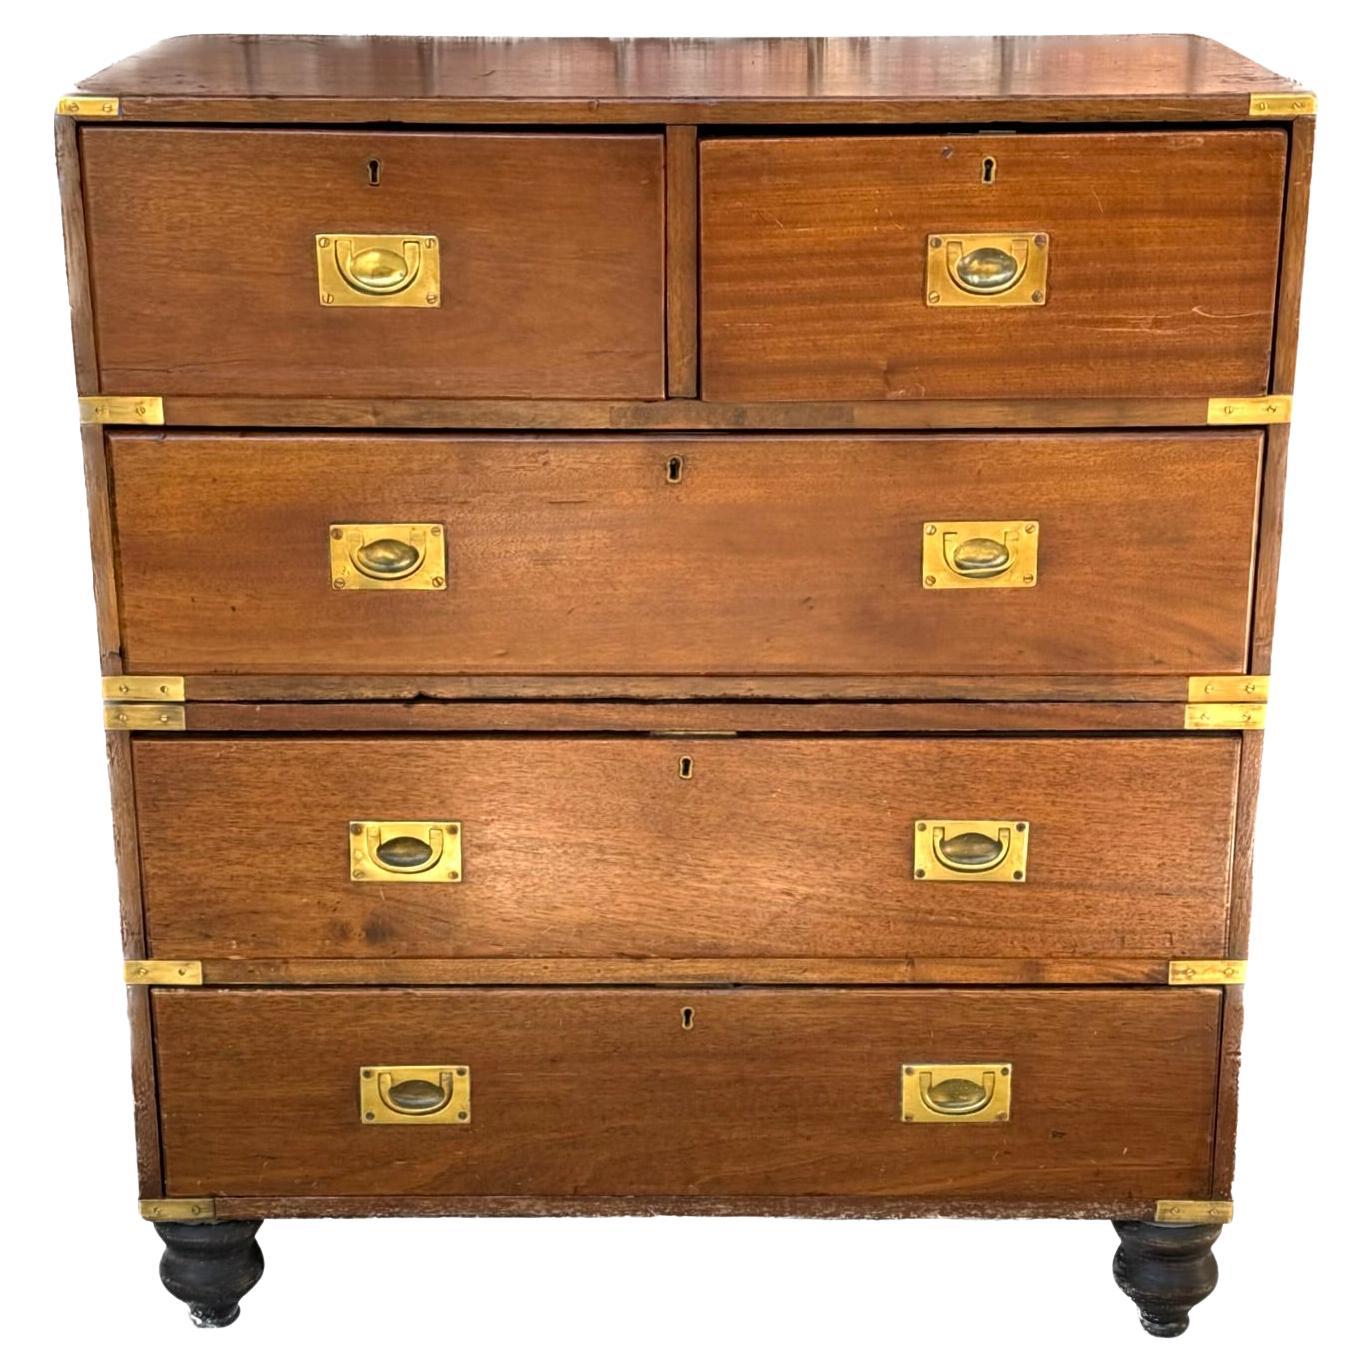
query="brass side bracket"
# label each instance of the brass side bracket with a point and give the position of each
(1193, 1212)
(1249, 409)
(1276, 104)
(1207, 972)
(147, 972)
(89, 106)
(120, 409)
(1226, 702)
(194, 1209)
(144, 702)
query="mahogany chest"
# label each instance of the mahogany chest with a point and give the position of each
(684, 624)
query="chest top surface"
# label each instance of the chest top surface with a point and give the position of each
(1168, 77)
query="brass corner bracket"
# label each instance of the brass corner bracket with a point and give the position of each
(1207, 972)
(149, 972)
(120, 409)
(1226, 702)
(194, 1209)
(1248, 409)
(89, 106)
(1193, 1212)
(1275, 104)
(144, 702)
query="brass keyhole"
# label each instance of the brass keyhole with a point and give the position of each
(675, 468)
(988, 170)
(684, 768)
(688, 1017)
(374, 172)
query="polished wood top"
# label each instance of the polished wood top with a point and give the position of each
(655, 80)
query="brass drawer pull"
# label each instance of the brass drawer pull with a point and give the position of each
(387, 557)
(405, 850)
(966, 554)
(415, 1095)
(955, 1093)
(988, 268)
(377, 269)
(971, 849)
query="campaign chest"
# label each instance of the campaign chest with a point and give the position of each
(685, 624)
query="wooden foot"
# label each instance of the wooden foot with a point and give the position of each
(211, 1267)
(1165, 1269)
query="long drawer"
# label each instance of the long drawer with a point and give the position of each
(533, 846)
(1051, 553)
(375, 264)
(994, 266)
(1065, 1097)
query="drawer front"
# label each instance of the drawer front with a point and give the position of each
(596, 847)
(769, 1093)
(801, 555)
(206, 278)
(1161, 260)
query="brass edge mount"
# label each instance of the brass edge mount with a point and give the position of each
(149, 972)
(89, 106)
(1226, 702)
(120, 409)
(1207, 972)
(1193, 1212)
(1274, 104)
(144, 702)
(195, 1209)
(1248, 409)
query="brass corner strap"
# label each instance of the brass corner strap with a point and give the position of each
(1248, 409)
(193, 1209)
(1207, 972)
(1226, 702)
(1275, 104)
(150, 972)
(89, 106)
(1193, 1212)
(120, 409)
(144, 702)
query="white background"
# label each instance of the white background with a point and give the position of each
(680, 1293)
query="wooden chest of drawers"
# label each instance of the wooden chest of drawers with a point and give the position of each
(685, 624)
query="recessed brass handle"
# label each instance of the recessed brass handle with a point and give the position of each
(971, 850)
(377, 269)
(967, 554)
(415, 1095)
(405, 850)
(955, 1093)
(387, 557)
(987, 268)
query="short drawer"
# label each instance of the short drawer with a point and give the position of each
(1108, 1096)
(832, 268)
(699, 847)
(376, 264)
(1108, 553)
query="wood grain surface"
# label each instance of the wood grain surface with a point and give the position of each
(776, 847)
(334, 79)
(785, 555)
(205, 280)
(602, 1093)
(1162, 265)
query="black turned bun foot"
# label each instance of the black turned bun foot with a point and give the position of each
(211, 1267)
(1165, 1269)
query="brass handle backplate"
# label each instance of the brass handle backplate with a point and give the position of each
(987, 268)
(388, 557)
(955, 1092)
(417, 850)
(397, 269)
(981, 554)
(415, 1095)
(971, 850)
